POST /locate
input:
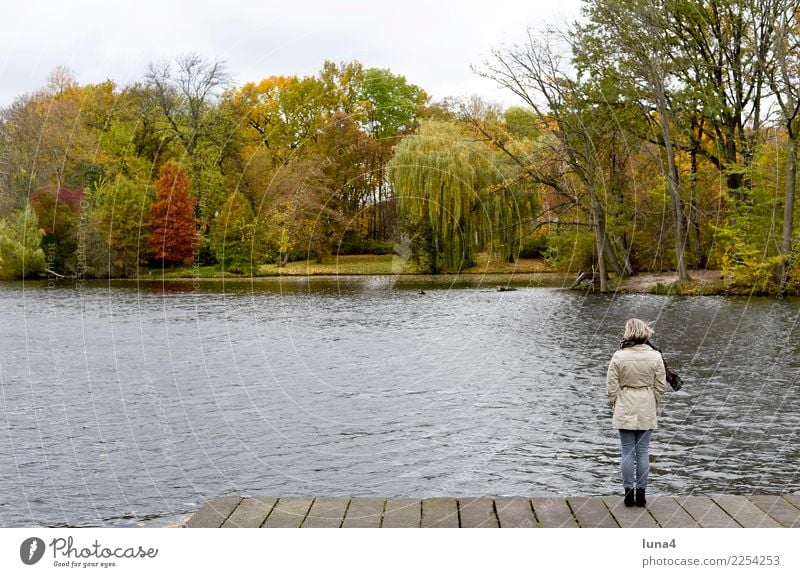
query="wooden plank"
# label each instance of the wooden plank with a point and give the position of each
(440, 512)
(663, 511)
(289, 512)
(591, 512)
(706, 512)
(793, 499)
(514, 512)
(669, 514)
(629, 517)
(553, 512)
(744, 512)
(326, 512)
(214, 512)
(364, 513)
(477, 512)
(251, 512)
(778, 508)
(401, 512)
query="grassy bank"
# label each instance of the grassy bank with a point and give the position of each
(349, 265)
(703, 282)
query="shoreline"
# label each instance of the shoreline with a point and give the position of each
(701, 283)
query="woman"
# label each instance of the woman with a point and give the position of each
(636, 381)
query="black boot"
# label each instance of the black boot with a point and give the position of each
(629, 497)
(640, 500)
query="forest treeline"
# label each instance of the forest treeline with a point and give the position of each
(648, 136)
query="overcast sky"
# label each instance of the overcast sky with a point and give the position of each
(432, 43)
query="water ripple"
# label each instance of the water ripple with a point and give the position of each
(130, 404)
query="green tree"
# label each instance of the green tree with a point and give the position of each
(455, 196)
(232, 235)
(392, 104)
(121, 215)
(59, 210)
(21, 255)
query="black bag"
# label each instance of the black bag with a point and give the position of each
(674, 379)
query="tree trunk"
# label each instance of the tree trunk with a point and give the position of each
(600, 241)
(693, 220)
(611, 254)
(788, 207)
(672, 177)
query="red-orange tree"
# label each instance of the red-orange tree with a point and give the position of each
(174, 235)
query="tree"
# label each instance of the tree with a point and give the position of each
(21, 255)
(353, 165)
(298, 213)
(185, 96)
(58, 211)
(45, 142)
(392, 104)
(283, 113)
(174, 235)
(455, 195)
(633, 38)
(391, 108)
(537, 73)
(232, 235)
(784, 81)
(121, 215)
(720, 51)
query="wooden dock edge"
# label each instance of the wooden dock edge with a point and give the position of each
(678, 511)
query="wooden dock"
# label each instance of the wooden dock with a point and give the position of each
(494, 512)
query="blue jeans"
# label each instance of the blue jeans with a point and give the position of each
(635, 457)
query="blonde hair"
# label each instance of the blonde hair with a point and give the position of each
(637, 330)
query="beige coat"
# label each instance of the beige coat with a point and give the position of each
(636, 382)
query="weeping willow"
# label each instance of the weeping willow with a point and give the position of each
(455, 193)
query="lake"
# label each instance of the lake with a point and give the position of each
(130, 403)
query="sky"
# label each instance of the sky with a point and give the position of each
(432, 43)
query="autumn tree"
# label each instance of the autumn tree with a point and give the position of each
(186, 93)
(301, 218)
(174, 236)
(539, 73)
(635, 41)
(45, 142)
(282, 113)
